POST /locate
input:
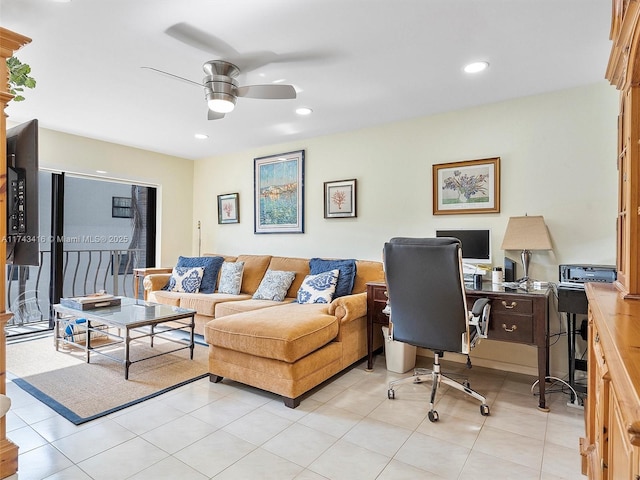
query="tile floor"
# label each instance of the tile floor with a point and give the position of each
(345, 429)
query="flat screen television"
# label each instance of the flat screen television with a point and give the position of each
(23, 232)
(476, 244)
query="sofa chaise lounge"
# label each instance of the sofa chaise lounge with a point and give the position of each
(284, 347)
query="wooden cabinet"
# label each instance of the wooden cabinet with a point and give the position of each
(612, 446)
(623, 71)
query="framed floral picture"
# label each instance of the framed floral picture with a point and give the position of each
(278, 187)
(228, 211)
(471, 186)
(340, 199)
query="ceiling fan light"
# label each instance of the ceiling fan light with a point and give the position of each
(221, 105)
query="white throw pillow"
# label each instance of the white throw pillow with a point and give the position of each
(231, 278)
(274, 285)
(318, 288)
(185, 279)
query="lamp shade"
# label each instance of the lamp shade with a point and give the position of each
(526, 233)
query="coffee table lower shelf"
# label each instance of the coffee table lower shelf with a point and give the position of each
(137, 319)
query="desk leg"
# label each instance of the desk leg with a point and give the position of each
(542, 362)
(369, 344)
(571, 338)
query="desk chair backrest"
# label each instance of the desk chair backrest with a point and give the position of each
(425, 285)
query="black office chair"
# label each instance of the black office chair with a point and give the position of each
(425, 285)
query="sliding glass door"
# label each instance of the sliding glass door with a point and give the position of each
(93, 233)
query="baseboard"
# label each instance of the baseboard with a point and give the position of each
(486, 363)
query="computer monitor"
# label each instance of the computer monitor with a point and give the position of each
(476, 244)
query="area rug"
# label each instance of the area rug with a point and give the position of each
(81, 391)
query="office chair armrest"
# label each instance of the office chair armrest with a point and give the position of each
(349, 307)
(480, 316)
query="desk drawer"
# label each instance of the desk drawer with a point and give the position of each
(511, 328)
(512, 306)
(378, 316)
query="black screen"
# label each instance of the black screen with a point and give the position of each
(23, 232)
(476, 244)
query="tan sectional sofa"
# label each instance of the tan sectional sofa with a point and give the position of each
(283, 347)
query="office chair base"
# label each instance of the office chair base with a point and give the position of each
(421, 375)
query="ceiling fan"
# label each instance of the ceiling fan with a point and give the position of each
(220, 85)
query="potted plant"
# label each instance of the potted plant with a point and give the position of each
(19, 78)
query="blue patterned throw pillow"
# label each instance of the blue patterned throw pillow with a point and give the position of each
(186, 280)
(211, 267)
(274, 285)
(318, 288)
(231, 278)
(347, 275)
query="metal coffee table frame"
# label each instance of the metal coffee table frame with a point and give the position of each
(131, 316)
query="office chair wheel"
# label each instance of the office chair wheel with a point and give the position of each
(391, 394)
(433, 416)
(484, 410)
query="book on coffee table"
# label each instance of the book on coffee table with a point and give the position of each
(94, 300)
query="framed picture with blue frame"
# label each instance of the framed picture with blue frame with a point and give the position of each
(278, 184)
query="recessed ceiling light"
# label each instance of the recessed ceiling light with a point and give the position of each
(100, 171)
(304, 111)
(476, 67)
(201, 136)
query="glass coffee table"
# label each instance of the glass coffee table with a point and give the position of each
(137, 319)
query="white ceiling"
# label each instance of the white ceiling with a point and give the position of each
(369, 62)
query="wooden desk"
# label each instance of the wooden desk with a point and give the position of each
(516, 316)
(140, 273)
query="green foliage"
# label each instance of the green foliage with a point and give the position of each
(19, 78)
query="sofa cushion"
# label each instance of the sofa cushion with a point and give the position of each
(231, 308)
(367, 271)
(230, 277)
(274, 285)
(318, 288)
(292, 264)
(286, 332)
(254, 268)
(185, 279)
(211, 267)
(202, 303)
(347, 275)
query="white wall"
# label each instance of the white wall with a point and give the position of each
(558, 159)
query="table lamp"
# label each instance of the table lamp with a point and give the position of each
(526, 234)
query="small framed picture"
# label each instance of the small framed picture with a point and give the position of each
(228, 208)
(340, 199)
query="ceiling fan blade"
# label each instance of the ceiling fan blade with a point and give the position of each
(214, 115)
(200, 39)
(267, 91)
(171, 75)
